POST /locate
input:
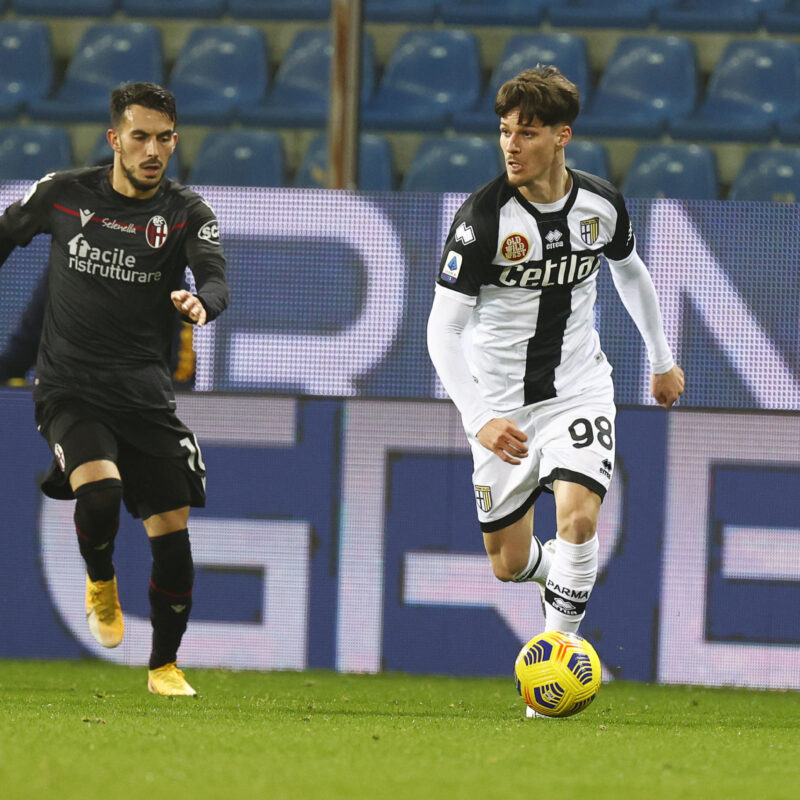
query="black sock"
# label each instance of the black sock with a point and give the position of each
(96, 523)
(170, 594)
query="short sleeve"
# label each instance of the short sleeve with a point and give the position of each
(623, 242)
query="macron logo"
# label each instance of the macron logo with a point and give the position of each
(86, 216)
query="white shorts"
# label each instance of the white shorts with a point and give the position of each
(571, 439)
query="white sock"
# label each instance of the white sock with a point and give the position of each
(569, 583)
(538, 564)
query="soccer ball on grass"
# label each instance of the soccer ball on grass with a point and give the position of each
(557, 674)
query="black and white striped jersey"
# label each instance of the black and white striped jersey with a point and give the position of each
(530, 272)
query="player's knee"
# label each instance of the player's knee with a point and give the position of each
(503, 570)
(577, 526)
(97, 507)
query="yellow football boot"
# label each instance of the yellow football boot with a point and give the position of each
(103, 612)
(169, 680)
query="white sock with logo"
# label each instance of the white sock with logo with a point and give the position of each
(569, 584)
(538, 564)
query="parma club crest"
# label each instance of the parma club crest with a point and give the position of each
(156, 231)
(590, 230)
(483, 497)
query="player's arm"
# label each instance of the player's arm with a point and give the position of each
(448, 318)
(23, 219)
(207, 262)
(638, 295)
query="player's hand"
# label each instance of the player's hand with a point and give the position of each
(189, 304)
(502, 436)
(668, 386)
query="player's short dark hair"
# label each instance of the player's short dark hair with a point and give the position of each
(149, 95)
(542, 93)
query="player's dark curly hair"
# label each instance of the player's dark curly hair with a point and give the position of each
(149, 95)
(542, 93)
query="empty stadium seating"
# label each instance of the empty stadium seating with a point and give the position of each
(300, 96)
(430, 74)
(768, 174)
(682, 171)
(754, 86)
(400, 10)
(239, 158)
(66, 8)
(219, 69)
(106, 56)
(31, 151)
(452, 164)
(440, 63)
(591, 14)
(715, 15)
(26, 65)
(497, 12)
(589, 157)
(375, 165)
(280, 9)
(193, 9)
(647, 82)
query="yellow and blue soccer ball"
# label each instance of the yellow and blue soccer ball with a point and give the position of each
(557, 674)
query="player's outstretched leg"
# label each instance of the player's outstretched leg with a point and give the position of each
(96, 523)
(171, 584)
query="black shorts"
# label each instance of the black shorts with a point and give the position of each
(158, 457)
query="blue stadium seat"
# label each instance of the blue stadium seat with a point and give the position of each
(452, 164)
(194, 9)
(753, 86)
(106, 56)
(30, 151)
(66, 8)
(26, 65)
(591, 14)
(523, 51)
(588, 157)
(301, 94)
(239, 158)
(646, 82)
(430, 74)
(218, 70)
(715, 15)
(768, 174)
(375, 164)
(681, 171)
(103, 154)
(400, 10)
(279, 9)
(783, 20)
(498, 12)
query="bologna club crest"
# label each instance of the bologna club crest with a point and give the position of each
(156, 231)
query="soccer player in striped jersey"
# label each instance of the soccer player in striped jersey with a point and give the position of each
(511, 334)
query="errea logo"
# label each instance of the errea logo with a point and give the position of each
(554, 239)
(465, 234)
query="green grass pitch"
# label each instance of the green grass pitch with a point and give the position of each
(88, 730)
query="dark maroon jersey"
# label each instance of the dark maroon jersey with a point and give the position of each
(114, 260)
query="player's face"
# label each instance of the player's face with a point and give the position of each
(533, 151)
(143, 143)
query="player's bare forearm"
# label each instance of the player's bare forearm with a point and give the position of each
(667, 387)
(190, 305)
(502, 436)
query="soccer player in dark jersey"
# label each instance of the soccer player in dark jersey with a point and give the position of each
(121, 240)
(511, 334)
